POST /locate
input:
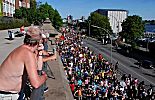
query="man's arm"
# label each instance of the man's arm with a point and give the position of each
(31, 68)
(40, 60)
(51, 57)
(46, 53)
(48, 56)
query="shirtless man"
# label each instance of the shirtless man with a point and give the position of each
(23, 61)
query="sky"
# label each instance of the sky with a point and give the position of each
(78, 8)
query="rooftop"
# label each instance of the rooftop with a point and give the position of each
(112, 10)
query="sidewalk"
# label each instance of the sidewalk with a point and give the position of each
(58, 88)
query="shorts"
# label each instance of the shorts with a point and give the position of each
(9, 96)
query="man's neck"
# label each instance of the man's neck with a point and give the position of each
(29, 47)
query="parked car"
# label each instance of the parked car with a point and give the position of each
(147, 64)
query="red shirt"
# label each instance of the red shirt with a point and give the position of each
(100, 57)
(22, 29)
(72, 86)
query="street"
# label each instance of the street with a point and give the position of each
(126, 64)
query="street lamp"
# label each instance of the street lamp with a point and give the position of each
(107, 31)
(147, 45)
(89, 27)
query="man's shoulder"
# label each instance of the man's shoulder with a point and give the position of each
(23, 51)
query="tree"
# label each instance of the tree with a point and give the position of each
(45, 11)
(31, 15)
(132, 28)
(100, 21)
(152, 22)
(27, 13)
(57, 21)
(33, 4)
(36, 14)
(18, 14)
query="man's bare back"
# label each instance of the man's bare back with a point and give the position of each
(21, 60)
(11, 73)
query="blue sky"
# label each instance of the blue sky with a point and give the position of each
(78, 8)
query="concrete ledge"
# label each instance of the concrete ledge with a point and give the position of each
(59, 88)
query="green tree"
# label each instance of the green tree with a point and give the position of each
(18, 14)
(132, 28)
(99, 20)
(33, 4)
(45, 11)
(152, 22)
(36, 14)
(32, 12)
(24, 12)
(57, 21)
(31, 15)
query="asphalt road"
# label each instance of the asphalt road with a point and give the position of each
(6, 45)
(126, 65)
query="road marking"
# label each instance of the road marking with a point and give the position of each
(137, 74)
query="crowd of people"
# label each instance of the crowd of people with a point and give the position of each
(92, 77)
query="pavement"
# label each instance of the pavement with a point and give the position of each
(58, 88)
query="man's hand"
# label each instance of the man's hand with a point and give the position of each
(41, 47)
(44, 74)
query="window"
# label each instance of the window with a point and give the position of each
(20, 3)
(7, 8)
(3, 7)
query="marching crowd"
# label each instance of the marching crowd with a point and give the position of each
(91, 77)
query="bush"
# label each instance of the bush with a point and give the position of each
(11, 23)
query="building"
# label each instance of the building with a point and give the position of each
(22, 3)
(7, 7)
(116, 17)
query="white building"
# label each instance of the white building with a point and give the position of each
(116, 17)
(8, 7)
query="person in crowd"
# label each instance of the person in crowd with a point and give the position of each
(11, 34)
(150, 91)
(72, 86)
(116, 66)
(22, 30)
(78, 92)
(22, 63)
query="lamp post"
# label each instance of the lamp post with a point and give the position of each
(107, 31)
(89, 27)
(147, 45)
